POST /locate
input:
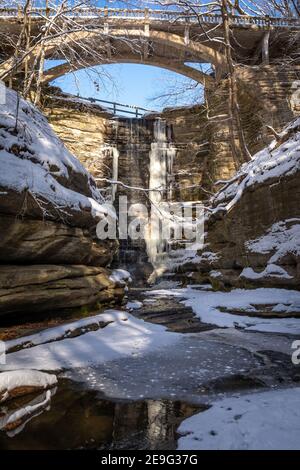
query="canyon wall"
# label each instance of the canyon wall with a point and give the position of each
(202, 152)
(202, 141)
(253, 226)
(50, 256)
(101, 132)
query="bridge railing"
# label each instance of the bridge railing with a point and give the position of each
(116, 107)
(156, 15)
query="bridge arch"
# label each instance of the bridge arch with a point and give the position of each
(182, 69)
(199, 52)
(176, 42)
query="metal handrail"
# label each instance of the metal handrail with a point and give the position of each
(115, 106)
(160, 15)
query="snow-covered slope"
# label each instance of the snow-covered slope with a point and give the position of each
(280, 158)
(252, 231)
(34, 160)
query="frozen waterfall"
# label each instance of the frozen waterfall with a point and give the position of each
(161, 160)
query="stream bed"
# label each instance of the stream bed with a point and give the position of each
(85, 419)
(139, 401)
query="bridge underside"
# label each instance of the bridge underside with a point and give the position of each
(160, 44)
(245, 39)
(111, 54)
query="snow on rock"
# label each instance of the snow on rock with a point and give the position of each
(149, 301)
(252, 224)
(120, 277)
(270, 271)
(14, 422)
(21, 382)
(34, 159)
(216, 307)
(60, 332)
(258, 421)
(274, 161)
(134, 305)
(281, 239)
(36, 136)
(87, 102)
(124, 336)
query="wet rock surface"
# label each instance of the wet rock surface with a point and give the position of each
(39, 288)
(168, 312)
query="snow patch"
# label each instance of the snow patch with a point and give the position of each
(34, 159)
(24, 378)
(124, 336)
(208, 306)
(120, 276)
(272, 270)
(134, 305)
(271, 162)
(281, 239)
(259, 421)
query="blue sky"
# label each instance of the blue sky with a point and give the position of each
(133, 84)
(130, 83)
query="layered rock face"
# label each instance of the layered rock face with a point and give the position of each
(253, 228)
(82, 126)
(202, 139)
(50, 255)
(79, 123)
(38, 288)
(266, 96)
(203, 155)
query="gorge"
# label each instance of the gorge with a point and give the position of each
(150, 264)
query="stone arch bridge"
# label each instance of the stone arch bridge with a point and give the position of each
(162, 38)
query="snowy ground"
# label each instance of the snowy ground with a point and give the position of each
(208, 306)
(131, 359)
(267, 421)
(123, 337)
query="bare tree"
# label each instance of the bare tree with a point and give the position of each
(86, 44)
(222, 35)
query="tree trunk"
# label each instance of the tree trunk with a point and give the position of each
(240, 152)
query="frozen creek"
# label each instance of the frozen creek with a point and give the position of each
(138, 398)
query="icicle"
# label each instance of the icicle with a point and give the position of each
(161, 157)
(115, 172)
(111, 152)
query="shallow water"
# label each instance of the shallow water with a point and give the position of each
(79, 418)
(138, 402)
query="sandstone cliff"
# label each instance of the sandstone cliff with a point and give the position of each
(49, 208)
(253, 224)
